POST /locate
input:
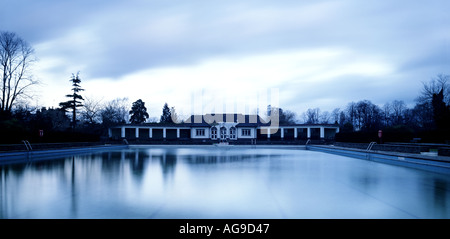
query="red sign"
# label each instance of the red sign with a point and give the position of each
(380, 133)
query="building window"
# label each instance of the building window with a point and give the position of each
(223, 133)
(246, 132)
(200, 132)
(213, 133)
(232, 133)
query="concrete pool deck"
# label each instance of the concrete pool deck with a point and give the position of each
(440, 164)
(20, 156)
(392, 153)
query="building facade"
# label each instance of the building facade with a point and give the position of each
(223, 127)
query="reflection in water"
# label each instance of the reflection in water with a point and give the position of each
(3, 204)
(73, 190)
(441, 197)
(219, 183)
(137, 165)
(366, 178)
(168, 163)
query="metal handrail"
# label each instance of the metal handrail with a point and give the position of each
(306, 145)
(370, 146)
(27, 145)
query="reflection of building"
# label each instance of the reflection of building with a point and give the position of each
(220, 127)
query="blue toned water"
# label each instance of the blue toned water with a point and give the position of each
(215, 182)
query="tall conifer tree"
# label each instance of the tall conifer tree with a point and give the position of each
(166, 116)
(75, 99)
(138, 112)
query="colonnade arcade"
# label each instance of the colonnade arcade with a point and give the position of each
(229, 132)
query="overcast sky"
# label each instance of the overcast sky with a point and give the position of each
(321, 54)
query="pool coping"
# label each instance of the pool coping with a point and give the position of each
(440, 164)
(21, 156)
(231, 146)
(391, 153)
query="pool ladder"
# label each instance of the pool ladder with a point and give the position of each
(368, 156)
(370, 146)
(307, 142)
(27, 145)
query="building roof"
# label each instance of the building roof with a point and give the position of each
(211, 119)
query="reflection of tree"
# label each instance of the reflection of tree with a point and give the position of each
(222, 158)
(168, 162)
(367, 179)
(441, 189)
(137, 164)
(13, 177)
(110, 165)
(113, 163)
(3, 183)
(73, 193)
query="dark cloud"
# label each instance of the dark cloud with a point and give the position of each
(435, 58)
(42, 20)
(113, 39)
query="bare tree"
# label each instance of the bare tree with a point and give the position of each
(284, 116)
(386, 114)
(115, 112)
(324, 117)
(398, 112)
(16, 58)
(434, 86)
(351, 113)
(92, 110)
(335, 115)
(368, 115)
(312, 116)
(424, 109)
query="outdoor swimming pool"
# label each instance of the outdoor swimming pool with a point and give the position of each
(219, 182)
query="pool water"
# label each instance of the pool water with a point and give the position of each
(215, 182)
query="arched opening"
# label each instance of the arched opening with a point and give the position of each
(233, 133)
(223, 133)
(214, 133)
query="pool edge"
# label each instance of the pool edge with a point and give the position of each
(21, 156)
(436, 164)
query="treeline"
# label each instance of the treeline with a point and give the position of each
(358, 121)
(93, 119)
(45, 125)
(427, 121)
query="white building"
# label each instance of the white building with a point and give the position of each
(223, 127)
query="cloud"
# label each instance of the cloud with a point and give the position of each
(302, 78)
(131, 37)
(315, 52)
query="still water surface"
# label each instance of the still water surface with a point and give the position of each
(211, 182)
